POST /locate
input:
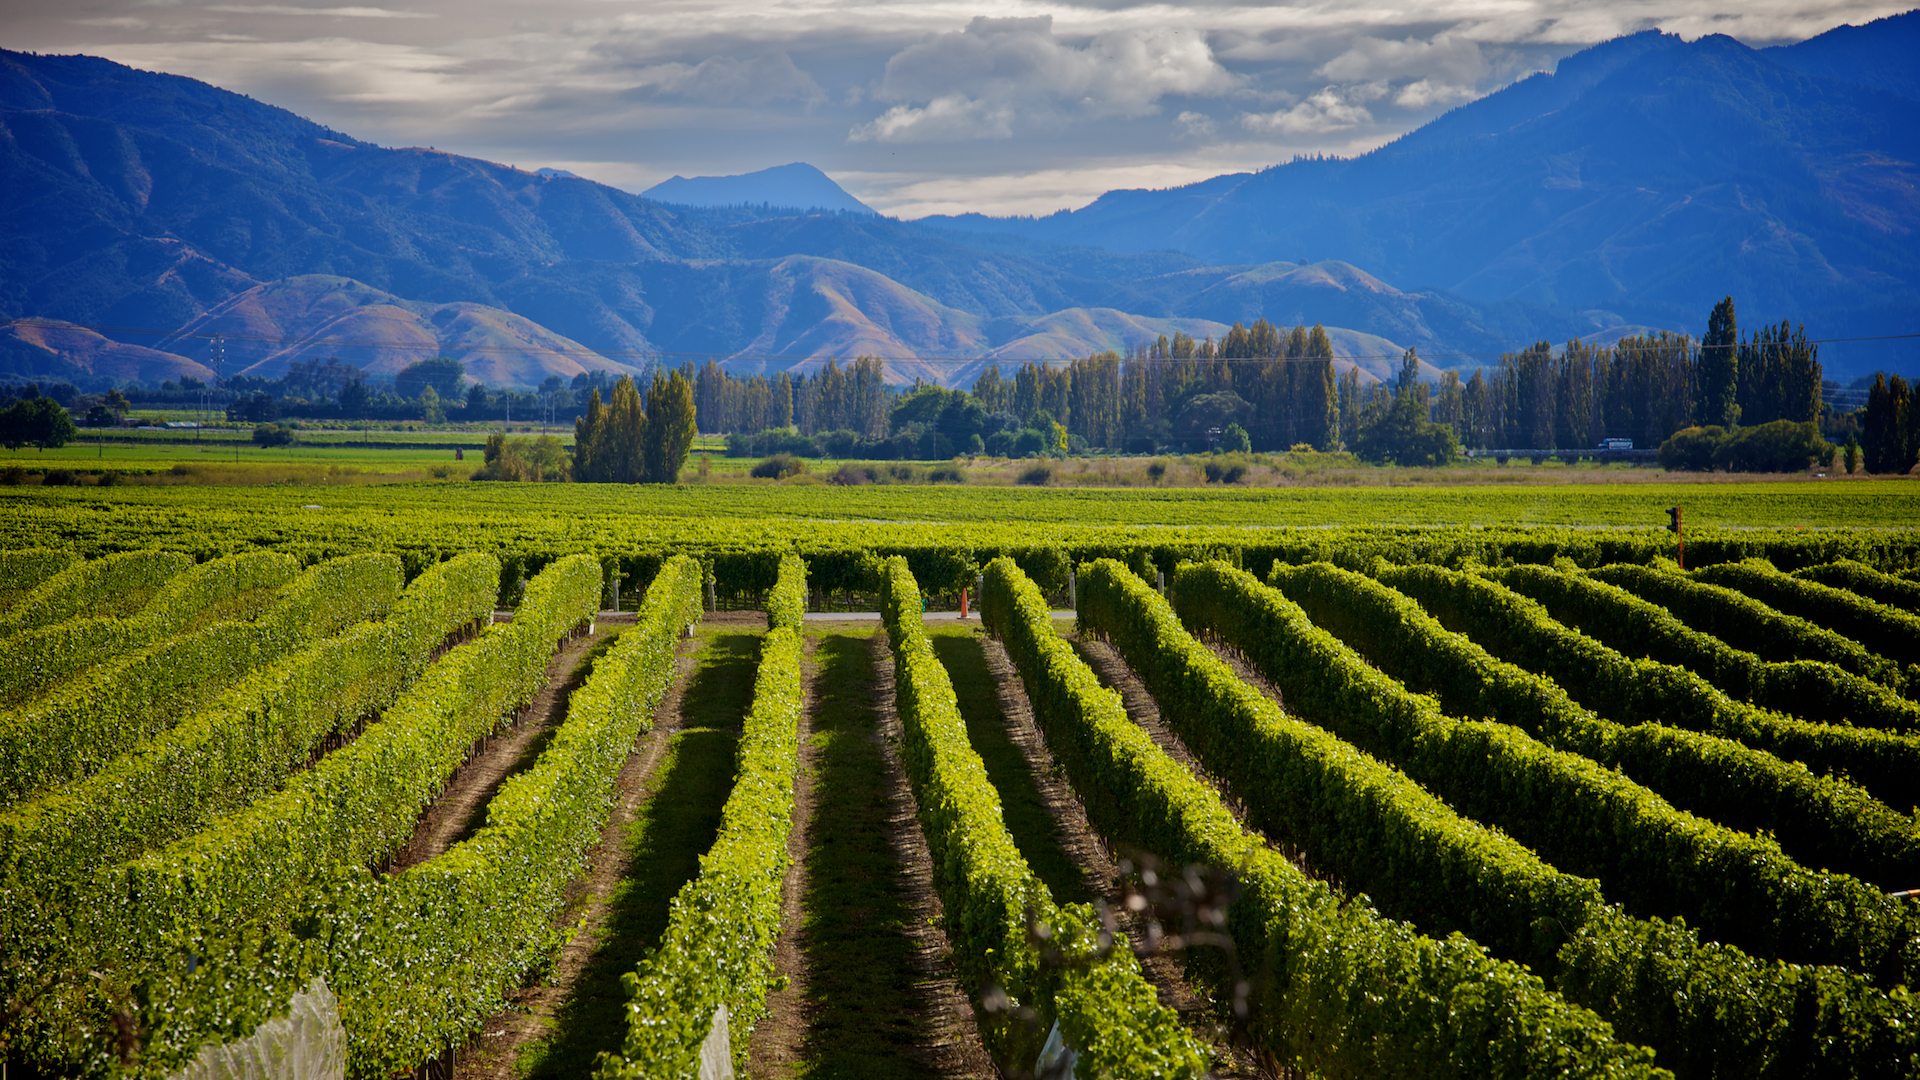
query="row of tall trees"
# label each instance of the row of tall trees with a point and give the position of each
(1890, 430)
(1641, 388)
(630, 440)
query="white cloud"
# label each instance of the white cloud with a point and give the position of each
(1455, 58)
(1427, 93)
(1195, 125)
(724, 80)
(336, 12)
(976, 83)
(1331, 109)
(949, 117)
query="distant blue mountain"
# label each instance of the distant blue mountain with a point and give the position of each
(799, 186)
(1645, 178)
(1884, 53)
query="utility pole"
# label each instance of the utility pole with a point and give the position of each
(1673, 526)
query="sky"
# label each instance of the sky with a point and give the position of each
(916, 108)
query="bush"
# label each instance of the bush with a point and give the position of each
(1691, 449)
(273, 435)
(1028, 443)
(778, 467)
(946, 474)
(60, 478)
(1777, 447)
(773, 441)
(850, 475)
(1037, 475)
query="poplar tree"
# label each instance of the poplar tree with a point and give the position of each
(1719, 377)
(668, 428)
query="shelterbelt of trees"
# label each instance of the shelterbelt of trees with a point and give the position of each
(1734, 401)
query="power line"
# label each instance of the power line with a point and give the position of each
(656, 356)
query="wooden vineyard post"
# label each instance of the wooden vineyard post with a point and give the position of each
(1673, 526)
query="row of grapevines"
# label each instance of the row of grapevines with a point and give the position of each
(1703, 671)
(1006, 929)
(359, 804)
(1823, 821)
(1891, 633)
(717, 948)
(787, 603)
(60, 855)
(1747, 624)
(90, 721)
(421, 958)
(23, 569)
(1709, 1009)
(1651, 857)
(1863, 580)
(1340, 991)
(235, 587)
(115, 585)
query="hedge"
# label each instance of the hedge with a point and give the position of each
(1106, 1010)
(1652, 858)
(421, 958)
(1710, 1009)
(1881, 629)
(234, 587)
(1748, 624)
(718, 946)
(1704, 674)
(1339, 990)
(22, 570)
(89, 721)
(1824, 822)
(787, 604)
(58, 854)
(115, 585)
(1865, 581)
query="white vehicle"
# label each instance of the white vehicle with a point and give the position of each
(1616, 444)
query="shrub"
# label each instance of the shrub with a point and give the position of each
(779, 467)
(60, 478)
(1037, 475)
(1691, 449)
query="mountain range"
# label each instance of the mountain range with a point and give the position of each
(1645, 178)
(141, 214)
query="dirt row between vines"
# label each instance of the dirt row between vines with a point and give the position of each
(870, 988)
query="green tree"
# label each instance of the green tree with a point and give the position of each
(265, 435)
(1889, 441)
(38, 422)
(622, 448)
(1718, 395)
(1401, 432)
(443, 373)
(430, 410)
(669, 428)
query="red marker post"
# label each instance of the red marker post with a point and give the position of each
(1673, 526)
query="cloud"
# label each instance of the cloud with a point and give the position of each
(978, 82)
(1331, 109)
(1195, 125)
(724, 80)
(335, 12)
(1455, 58)
(949, 117)
(1427, 93)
